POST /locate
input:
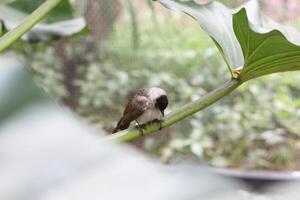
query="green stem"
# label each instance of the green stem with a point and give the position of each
(181, 113)
(13, 35)
(134, 24)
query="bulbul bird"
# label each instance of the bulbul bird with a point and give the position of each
(146, 105)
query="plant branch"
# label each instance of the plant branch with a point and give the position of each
(178, 115)
(36, 16)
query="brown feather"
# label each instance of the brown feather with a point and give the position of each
(135, 107)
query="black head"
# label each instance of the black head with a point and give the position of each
(162, 103)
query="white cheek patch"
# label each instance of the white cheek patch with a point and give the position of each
(156, 92)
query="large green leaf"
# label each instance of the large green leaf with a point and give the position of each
(11, 17)
(265, 50)
(246, 41)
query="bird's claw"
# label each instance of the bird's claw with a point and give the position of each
(159, 122)
(141, 127)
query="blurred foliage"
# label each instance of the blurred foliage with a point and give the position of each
(255, 127)
(59, 23)
(14, 77)
(62, 12)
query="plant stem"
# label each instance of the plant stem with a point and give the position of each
(36, 16)
(183, 112)
(134, 24)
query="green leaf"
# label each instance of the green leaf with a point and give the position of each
(11, 18)
(62, 12)
(46, 32)
(265, 50)
(27, 23)
(248, 42)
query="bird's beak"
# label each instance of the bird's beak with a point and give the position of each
(163, 113)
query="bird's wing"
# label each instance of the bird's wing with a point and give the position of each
(135, 107)
(138, 103)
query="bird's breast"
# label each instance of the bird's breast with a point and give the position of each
(149, 115)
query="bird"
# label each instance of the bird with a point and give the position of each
(144, 106)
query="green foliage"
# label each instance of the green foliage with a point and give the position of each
(62, 12)
(241, 130)
(245, 129)
(10, 18)
(266, 53)
(256, 50)
(106, 69)
(28, 22)
(48, 75)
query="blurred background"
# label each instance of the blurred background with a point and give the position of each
(133, 44)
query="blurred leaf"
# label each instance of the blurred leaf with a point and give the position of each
(219, 162)
(46, 32)
(273, 137)
(41, 32)
(10, 14)
(134, 24)
(197, 149)
(16, 87)
(62, 12)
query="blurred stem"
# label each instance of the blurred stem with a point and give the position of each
(36, 16)
(151, 7)
(134, 24)
(108, 11)
(178, 115)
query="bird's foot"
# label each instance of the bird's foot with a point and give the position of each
(157, 121)
(141, 127)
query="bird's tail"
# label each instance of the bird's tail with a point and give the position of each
(122, 125)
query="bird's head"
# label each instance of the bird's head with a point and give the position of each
(159, 98)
